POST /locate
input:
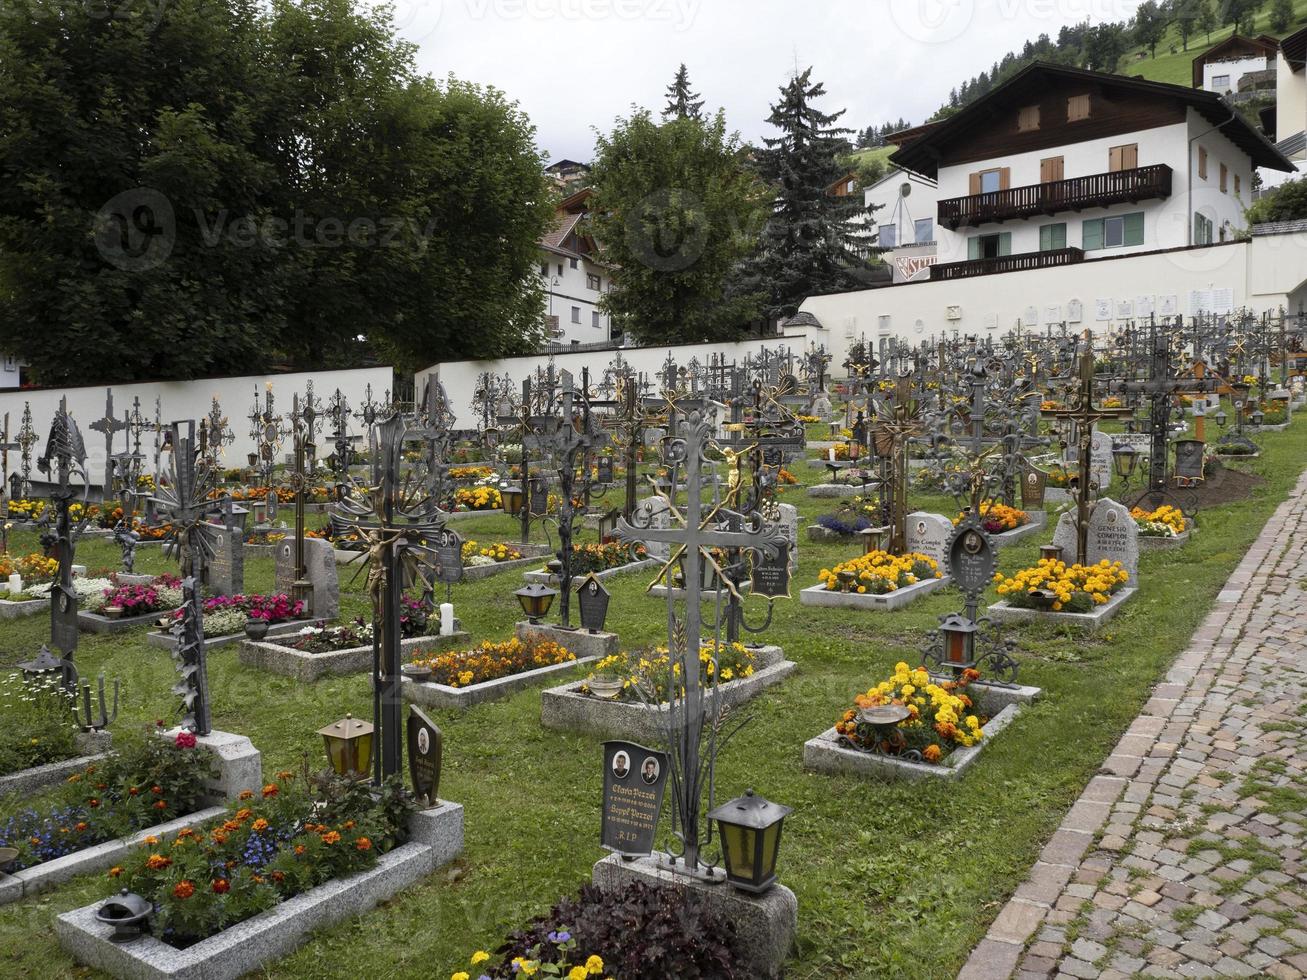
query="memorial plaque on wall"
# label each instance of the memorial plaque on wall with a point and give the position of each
(425, 749)
(971, 557)
(448, 546)
(770, 576)
(635, 779)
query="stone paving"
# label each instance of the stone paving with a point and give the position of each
(1184, 856)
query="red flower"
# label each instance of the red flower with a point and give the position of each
(93, 803)
(156, 790)
(186, 740)
(183, 889)
(363, 844)
(221, 887)
(269, 790)
(161, 804)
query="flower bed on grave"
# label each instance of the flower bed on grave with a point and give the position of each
(1164, 522)
(36, 570)
(634, 931)
(163, 594)
(875, 580)
(34, 722)
(482, 496)
(470, 472)
(294, 836)
(1054, 586)
(477, 556)
(461, 678)
(602, 557)
(626, 696)
(147, 782)
(849, 518)
(225, 615)
(998, 518)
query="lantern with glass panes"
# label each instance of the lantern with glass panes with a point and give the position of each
(535, 600)
(750, 828)
(349, 746)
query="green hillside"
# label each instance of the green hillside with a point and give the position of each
(882, 153)
(1177, 68)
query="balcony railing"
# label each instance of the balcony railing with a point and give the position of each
(1074, 194)
(1007, 263)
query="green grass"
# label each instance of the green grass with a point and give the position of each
(893, 879)
(881, 153)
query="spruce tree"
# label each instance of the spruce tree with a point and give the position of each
(681, 102)
(812, 241)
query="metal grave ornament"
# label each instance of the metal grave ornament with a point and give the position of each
(1189, 461)
(769, 575)
(448, 550)
(635, 779)
(425, 752)
(593, 599)
(971, 559)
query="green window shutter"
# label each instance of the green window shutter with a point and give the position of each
(973, 247)
(1199, 237)
(1005, 243)
(1052, 237)
(1134, 228)
(1059, 235)
(1091, 234)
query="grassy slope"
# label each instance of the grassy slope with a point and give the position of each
(893, 880)
(881, 153)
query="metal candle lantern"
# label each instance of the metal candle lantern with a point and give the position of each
(511, 498)
(1220, 417)
(1257, 418)
(349, 746)
(535, 600)
(750, 827)
(1125, 458)
(873, 538)
(1051, 552)
(959, 641)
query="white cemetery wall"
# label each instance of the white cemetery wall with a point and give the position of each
(183, 400)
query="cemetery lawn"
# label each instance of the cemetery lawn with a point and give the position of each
(893, 879)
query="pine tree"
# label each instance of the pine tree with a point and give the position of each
(1206, 19)
(681, 102)
(1281, 14)
(812, 239)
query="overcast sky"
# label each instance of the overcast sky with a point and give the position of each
(576, 64)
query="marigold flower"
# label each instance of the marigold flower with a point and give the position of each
(157, 862)
(221, 887)
(270, 790)
(363, 844)
(183, 889)
(331, 837)
(115, 871)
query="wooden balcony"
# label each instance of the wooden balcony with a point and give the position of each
(1006, 263)
(1074, 194)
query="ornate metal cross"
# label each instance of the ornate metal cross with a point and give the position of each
(107, 426)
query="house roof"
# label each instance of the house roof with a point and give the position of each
(1233, 46)
(1294, 49)
(562, 165)
(923, 153)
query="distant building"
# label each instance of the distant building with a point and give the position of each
(568, 174)
(574, 280)
(1224, 68)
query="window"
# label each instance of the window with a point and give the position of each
(989, 246)
(1124, 157)
(576, 314)
(923, 229)
(1202, 229)
(1202, 162)
(887, 236)
(544, 269)
(594, 319)
(990, 181)
(592, 281)
(1050, 169)
(1225, 177)
(1077, 108)
(1236, 185)
(560, 268)
(1027, 119)
(1052, 237)
(1220, 83)
(1115, 232)
(573, 261)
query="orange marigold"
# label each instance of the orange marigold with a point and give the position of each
(183, 889)
(331, 837)
(157, 862)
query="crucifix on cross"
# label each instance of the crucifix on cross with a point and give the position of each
(108, 426)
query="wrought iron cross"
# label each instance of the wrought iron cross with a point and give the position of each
(107, 426)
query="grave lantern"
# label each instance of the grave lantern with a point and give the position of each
(512, 500)
(873, 539)
(1257, 418)
(1052, 552)
(349, 746)
(535, 600)
(1220, 417)
(959, 635)
(1125, 458)
(750, 827)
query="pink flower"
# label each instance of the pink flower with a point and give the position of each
(186, 740)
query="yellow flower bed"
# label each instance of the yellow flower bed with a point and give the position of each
(1172, 517)
(470, 472)
(879, 572)
(1061, 587)
(34, 567)
(940, 716)
(649, 675)
(491, 661)
(495, 552)
(477, 498)
(998, 517)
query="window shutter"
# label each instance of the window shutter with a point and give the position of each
(1091, 233)
(1114, 159)
(1225, 171)
(1130, 156)
(1134, 228)
(1045, 237)
(1202, 163)
(973, 247)
(1052, 237)
(975, 182)
(1004, 178)
(1005, 243)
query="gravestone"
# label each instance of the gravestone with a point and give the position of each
(929, 535)
(1189, 459)
(319, 570)
(1034, 484)
(821, 406)
(425, 749)
(632, 800)
(1100, 458)
(1113, 535)
(225, 572)
(448, 548)
(769, 576)
(660, 519)
(789, 521)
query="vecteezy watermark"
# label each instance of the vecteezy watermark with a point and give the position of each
(668, 230)
(136, 230)
(148, 13)
(416, 20)
(941, 21)
(680, 14)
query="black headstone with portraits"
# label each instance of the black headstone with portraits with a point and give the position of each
(635, 779)
(425, 749)
(449, 556)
